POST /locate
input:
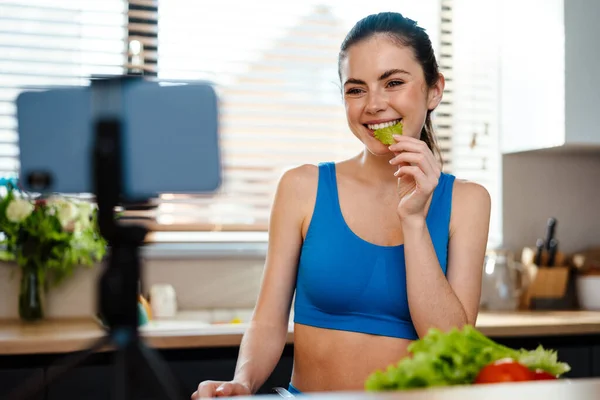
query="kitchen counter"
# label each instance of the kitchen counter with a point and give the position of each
(583, 389)
(196, 350)
(62, 336)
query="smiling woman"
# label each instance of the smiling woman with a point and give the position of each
(424, 85)
(378, 248)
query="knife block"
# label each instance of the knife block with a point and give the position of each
(550, 287)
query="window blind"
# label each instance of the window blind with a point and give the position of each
(143, 34)
(275, 68)
(476, 154)
(54, 43)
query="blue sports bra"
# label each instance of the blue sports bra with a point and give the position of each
(347, 283)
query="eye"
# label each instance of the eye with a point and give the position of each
(353, 91)
(395, 83)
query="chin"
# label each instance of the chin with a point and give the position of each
(378, 149)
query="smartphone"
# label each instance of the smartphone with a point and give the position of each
(169, 138)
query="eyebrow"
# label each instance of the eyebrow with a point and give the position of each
(383, 76)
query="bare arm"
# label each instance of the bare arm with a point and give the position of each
(448, 301)
(263, 342)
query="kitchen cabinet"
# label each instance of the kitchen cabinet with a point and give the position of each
(85, 382)
(191, 373)
(97, 382)
(94, 379)
(548, 89)
(580, 360)
(10, 378)
(596, 361)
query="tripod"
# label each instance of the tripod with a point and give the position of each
(118, 285)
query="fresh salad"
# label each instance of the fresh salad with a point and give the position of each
(385, 135)
(465, 356)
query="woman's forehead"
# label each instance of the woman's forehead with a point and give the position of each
(373, 56)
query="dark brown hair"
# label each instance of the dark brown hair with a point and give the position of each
(407, 33)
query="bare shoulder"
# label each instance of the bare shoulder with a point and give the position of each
(470, 200)
(298, 186)
(300, 180)
(468, 194)
(303, 175)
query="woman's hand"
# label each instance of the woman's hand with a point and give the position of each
(210, 389)
(418, 174)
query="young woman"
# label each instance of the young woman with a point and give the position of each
(378, 248)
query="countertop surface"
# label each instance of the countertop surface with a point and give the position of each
(582, 389)
(66, 335)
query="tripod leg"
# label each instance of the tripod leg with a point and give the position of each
(161, 375)
(31, 388)
(121, 376)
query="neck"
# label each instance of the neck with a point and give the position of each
(377, 169)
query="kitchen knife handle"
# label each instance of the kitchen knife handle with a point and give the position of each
(538, 255)
(550, 228)
(553, 247)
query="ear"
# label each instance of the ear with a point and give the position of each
(435, 93)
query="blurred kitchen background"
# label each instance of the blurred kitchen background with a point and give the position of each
(519, 116)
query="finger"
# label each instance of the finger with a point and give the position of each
(226, 389)
(406, 138)
(420, 159)
(195, 395)
(206, 390)
(238, 388)
(415, 146)
(420, 178)
(403, 139)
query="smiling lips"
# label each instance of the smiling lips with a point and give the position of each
(374, 127)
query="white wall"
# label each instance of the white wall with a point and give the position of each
(542, 185)
(582, 61)
(532, 73)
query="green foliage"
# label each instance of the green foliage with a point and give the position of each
(56, 235)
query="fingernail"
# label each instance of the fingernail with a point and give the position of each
(396, 136)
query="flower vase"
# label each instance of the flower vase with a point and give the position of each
(32, 293)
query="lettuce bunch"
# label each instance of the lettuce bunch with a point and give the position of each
(455, 358)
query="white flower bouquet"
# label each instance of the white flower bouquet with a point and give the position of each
(47, 238)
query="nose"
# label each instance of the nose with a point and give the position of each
(376, 102)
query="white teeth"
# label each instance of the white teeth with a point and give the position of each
(383, 125)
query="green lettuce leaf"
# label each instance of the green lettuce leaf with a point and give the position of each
(455, 358)
(384, 135)
(546, 360)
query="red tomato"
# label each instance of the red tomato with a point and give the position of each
(504, 371)
(540, 375)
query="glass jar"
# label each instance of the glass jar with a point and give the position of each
(32, 292)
